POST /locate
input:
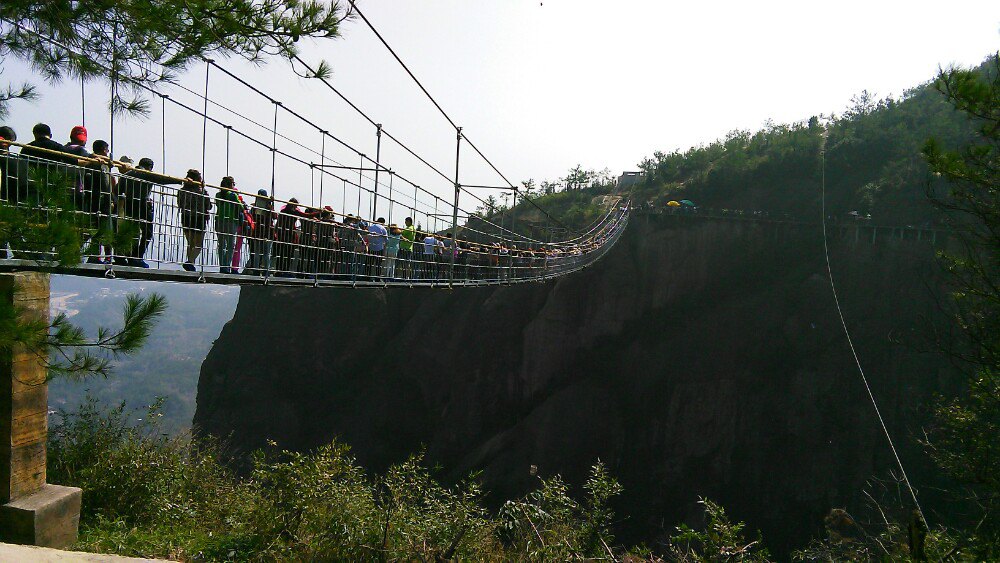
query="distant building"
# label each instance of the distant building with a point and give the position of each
(629, 179)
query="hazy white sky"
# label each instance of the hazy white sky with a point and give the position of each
(542, 86)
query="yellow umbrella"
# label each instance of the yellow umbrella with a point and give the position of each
(673, 203)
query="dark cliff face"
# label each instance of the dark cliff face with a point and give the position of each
(698, 358)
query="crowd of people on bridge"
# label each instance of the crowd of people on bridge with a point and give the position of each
(292, 241)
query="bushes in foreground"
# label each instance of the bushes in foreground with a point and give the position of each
(148, 494)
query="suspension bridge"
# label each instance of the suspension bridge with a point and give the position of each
(371, 226)
(187, 233)
(182, 233)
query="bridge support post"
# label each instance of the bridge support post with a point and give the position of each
(32, 512)
(378, 166)
(453, 249)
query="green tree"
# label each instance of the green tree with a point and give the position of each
(51, 232)
(25, 91)
(549, 188)
(577, 178)
(862, 104)
(721, 540)
(66, 350)
(965, 442)
(490, 206)
(135, 43)
(528, 190)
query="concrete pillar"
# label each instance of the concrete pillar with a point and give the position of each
(32, 512)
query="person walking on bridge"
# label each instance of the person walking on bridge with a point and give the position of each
(43, 147)
(376, 247)
(355, 246)
(326, 243)
(288, 237)
(431, 251)
(77, 145)
(43, 151)
(136, 188)
(392, 244)
(228, 216)
(77, 142)
(99, 196)
(13, 171)
(261, 238)
(13, 180)
(194, 204)
(407, 238)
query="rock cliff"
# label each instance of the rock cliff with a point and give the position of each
(698, 358)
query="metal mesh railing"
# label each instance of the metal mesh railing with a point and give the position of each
(138, 220)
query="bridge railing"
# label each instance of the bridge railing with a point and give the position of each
(178, 228)
(847, 227)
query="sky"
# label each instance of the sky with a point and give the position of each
(538, 87)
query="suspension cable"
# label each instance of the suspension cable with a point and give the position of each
(322, 162)
(163, 133)
(335, 138)
(83, 101)
(402, 64)
(355, 150)
(440, 109)
(274, 145)
(274, 151)
(204, 125)
(850, 341)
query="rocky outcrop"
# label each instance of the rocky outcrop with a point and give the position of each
(698, 358)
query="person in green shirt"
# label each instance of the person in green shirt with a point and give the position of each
(406, 248)
(228, 216)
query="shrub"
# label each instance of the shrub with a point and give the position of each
(147, 494)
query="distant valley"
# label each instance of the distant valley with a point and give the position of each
(167, 366)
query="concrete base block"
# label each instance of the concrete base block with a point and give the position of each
(49, 517)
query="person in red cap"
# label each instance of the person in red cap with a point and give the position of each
(78, 142)
(77, 146)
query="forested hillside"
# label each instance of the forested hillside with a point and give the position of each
(873, 166)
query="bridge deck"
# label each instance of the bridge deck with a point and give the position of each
(210, 277)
